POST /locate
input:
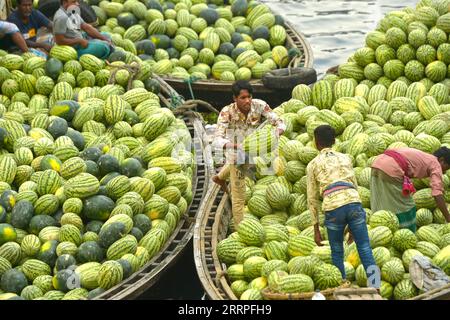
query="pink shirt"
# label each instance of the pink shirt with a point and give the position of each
(421, 165)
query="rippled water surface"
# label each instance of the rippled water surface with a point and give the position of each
(335, 28)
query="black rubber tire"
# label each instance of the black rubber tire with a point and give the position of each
(281, 79)
(49, 7)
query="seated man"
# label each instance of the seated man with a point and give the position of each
(10, 37)
(29, 21)
(68, 26)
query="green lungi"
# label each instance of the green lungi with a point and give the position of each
(386, 194)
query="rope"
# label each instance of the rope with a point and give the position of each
(294, 57)
(190, 107)
(189, 81)
(171, 96)
(175, 100)
(132, 69)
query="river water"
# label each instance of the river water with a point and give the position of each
(335, 29)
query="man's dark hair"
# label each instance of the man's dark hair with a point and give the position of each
(443, 152)
(241, 85)
(20, 1)
(324, 135)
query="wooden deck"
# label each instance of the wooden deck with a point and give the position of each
(211, 227)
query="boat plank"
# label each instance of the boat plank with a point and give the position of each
(151, 272)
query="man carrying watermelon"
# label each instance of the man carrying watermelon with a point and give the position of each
(69, 29)
(391, 187)
(235, 122)
(331, 177)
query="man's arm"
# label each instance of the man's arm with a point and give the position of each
(62, 40)
(437, 190)
(440, 202)
(11, 29)
(220, 141)
(313, 201)
(19, 41)
(33, 44)
(273, 119)
(94, 33)
(353, 178)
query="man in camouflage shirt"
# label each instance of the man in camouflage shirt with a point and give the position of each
(235, 122)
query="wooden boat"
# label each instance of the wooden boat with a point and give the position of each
(218, 93)
(149, 274)
(442, 293)
(211, 227)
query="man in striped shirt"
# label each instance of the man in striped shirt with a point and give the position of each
(331, 177)
(235, 122)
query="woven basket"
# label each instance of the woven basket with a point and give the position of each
(328, 294)
(357, 294)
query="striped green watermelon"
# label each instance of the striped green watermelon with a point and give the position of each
(392, 271)
(251, 232)
(404, 239)
(326, 276)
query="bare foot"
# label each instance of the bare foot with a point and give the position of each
(221, 183)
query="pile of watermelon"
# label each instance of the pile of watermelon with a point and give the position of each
(199, 38)
(401, 106)
(94, 175)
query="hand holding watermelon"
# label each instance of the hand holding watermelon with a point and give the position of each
(279, 132)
